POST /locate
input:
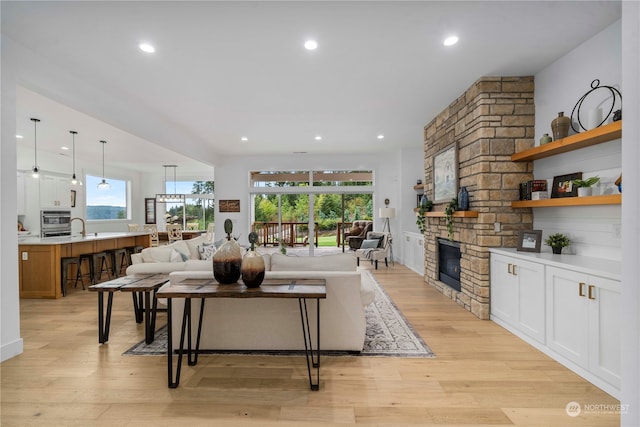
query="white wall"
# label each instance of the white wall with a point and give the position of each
(630, 208)
(592, 229)
(411, 167)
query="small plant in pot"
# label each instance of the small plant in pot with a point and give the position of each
(584, 186)
(557, 241)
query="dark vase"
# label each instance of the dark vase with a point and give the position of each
(252, 269)
(556, 249)
(463, 199)
(227, 260)
(560, 126)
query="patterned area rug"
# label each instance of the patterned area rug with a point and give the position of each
(388, 334)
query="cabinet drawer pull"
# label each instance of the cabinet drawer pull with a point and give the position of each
(591, 296)
(509, 267)
(514, 270)
(581, 289)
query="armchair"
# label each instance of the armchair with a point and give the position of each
(357, 234)
(374, 254)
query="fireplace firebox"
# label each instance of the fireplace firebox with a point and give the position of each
(449, 263)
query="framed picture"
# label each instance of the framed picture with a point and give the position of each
(73, 198)
(529, 240)
(149, 210)
(229, 205)
(445, 174)
(563, 185)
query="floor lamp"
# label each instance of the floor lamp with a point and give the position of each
(387, 214)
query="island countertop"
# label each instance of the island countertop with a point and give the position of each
(39, 259)
(77, 237)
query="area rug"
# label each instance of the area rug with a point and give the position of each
(388, 334)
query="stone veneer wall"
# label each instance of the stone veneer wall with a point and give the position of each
(492, 120)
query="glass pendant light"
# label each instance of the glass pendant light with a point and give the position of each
(74, 180)
(35, 171)
(104, 185)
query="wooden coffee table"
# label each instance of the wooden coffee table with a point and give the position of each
(189, 289)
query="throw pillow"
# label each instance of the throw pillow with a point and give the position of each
(177, 256)
(369, 244)
(377, 236)
(206, 251)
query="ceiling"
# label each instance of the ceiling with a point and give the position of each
(226, 70)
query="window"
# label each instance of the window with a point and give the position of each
(197, 208)
(108, 203)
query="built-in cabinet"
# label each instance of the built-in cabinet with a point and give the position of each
(413, 251)
(517, 290)
(584, 320)
(567, 306)
(55, 192)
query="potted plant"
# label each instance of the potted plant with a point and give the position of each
(449, 210)
(425, 206)
(557, 241)
(584, 186)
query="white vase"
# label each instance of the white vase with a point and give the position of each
(584, 191)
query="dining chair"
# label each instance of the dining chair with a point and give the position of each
(194, 226)
(174, 232)
(153, 229)
(133, 227)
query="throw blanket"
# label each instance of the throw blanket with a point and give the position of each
(367, 252)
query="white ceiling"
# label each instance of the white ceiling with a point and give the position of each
(223, 70)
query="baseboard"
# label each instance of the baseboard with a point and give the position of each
(12, 349)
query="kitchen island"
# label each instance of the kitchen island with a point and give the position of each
(39, 258)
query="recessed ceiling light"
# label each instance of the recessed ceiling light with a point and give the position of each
(19, 136)
(244, 139)
(450, 41)
(146, 47)
(311, 45)
(64, 148)
(381, 136)
(318, 138)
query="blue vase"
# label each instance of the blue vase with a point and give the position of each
(463, 199)
(423, 201)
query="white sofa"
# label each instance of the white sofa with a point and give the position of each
(159, 259)
(274, 324)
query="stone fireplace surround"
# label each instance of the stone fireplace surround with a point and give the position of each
(492, 120)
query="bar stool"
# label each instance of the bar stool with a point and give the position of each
(133, 250)
(91, 266)
(101, 265)
(119, 259)
(65, 262)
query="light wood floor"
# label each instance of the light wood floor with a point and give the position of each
(482, 376)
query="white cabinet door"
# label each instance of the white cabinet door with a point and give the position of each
(568, 314)
(530, 299)
(503, 289)
(604, 328)
(518, 294)
(55, 192)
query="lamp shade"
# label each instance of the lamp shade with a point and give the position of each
(387, 213)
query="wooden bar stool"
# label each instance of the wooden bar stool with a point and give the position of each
(65, 262)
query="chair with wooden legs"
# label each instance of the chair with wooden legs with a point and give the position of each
(153, 230)
(133, 227)
(192, 226)
(210, 233)
(174, 232)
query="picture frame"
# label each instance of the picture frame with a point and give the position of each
(563, 185)
(73, 198)
(229, 206)
(445, 174)
(150, 210)
(529, 240)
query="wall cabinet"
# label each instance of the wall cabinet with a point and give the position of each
(518, 295)
(584, 321)
(567, 306)
(55, 192)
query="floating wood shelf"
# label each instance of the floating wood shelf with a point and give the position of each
(607, 199)
(456, 214)
(418, 187)
(584, 139)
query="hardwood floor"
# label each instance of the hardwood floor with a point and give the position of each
(481, 376)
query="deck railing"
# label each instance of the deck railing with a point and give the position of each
(293, 233)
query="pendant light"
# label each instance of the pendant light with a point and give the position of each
(170, 198)
(35, 170)
(104, 185)
(74, 180)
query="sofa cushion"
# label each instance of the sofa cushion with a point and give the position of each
(177, 256)
(337, 262)
(206, 251)
(370, 244)
(192, 246)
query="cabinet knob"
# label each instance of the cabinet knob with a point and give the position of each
(581, 289)
(591, 288)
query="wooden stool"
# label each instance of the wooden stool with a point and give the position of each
(65, 262)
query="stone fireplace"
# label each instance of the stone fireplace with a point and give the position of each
(492, 120)
(449, 263)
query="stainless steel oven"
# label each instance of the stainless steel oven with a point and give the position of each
(54, 223)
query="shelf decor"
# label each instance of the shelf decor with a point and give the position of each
(529, 240)
(613, 95)
(563, 185)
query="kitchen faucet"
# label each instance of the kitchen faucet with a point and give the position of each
(84, 231)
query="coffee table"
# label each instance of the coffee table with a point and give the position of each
(189, 289)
